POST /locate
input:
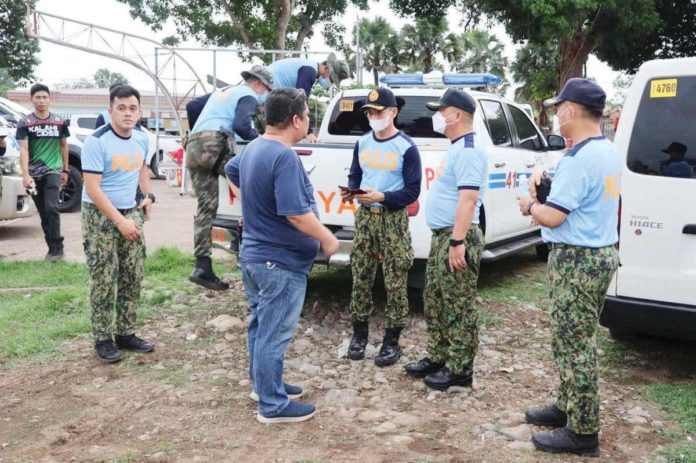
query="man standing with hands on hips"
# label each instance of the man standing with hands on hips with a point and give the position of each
(387, 167)
(114, 164)
(452, 213)
(579, 221)
(281, 238)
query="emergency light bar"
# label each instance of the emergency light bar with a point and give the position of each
(438, 79)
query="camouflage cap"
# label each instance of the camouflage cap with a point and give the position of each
(261, 73)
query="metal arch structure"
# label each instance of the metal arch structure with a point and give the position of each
(110, 43)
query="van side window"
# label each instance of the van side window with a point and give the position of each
(415, 119)
(526, 132)
(663, 141)
(496, 122)
(87, 122)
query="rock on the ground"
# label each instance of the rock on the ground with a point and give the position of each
(369, 416)
(341, 396)
(518, 445)
(224, 323)
(518, 433)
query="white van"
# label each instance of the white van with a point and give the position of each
(654, 291)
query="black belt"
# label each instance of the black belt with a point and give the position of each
(125, 212)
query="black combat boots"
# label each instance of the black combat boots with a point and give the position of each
(203, 275)
(390, 351)
(356, 349)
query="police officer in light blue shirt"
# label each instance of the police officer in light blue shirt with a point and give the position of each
(385, 177)
(452, 213)
(302, 73)
(579, 221)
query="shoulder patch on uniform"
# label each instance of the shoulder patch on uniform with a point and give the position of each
(104, 129)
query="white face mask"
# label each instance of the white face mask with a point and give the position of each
(379, 125)
(439, 123)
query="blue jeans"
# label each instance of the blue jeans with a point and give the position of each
(276, 297)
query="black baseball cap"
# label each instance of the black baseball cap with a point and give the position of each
(379, 99)
(676, 148)
(581, 91)
(455, 98)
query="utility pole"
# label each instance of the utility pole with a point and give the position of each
(358, 53)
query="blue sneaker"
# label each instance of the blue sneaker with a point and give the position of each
(293, 392)
(293, 413)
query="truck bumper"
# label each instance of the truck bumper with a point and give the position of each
(227, 235)
(649, 317)
(15, 202)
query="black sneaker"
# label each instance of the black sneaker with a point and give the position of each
(203, 275)
(55, 256)
(133, 343)
(106, 351)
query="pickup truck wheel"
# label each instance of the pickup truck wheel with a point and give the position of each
(154, 166)
(542, 252)
(71, 195)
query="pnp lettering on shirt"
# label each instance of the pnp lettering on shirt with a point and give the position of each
(43, 137)
(463, 167)
(586, 187)
(118, 160)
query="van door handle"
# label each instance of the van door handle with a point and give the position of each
(499, 164)
(531, 164)
(689, 229)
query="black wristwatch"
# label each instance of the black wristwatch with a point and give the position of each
(151, 197)
(454, 243)
(66, 171)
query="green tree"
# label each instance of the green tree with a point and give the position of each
(534, 69)
(424, 41)
(482, 52)
(6, 82)
(104, 78)
(18, 53)
(621, 32)
(378, 43)
(267, 24)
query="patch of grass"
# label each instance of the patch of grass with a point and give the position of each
(677, 400)
(517, 278)
(682, 453)
(41, 274)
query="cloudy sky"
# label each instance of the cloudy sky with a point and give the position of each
(59, 63)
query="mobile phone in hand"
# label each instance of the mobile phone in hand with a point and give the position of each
(353, 191)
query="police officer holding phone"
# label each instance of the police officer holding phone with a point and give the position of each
(387, 168)
(452, 213)
(579, 221)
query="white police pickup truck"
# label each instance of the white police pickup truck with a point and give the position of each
(504, 130)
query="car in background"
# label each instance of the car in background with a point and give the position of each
(15, 202)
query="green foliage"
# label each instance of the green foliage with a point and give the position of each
(678, 400)
(269, 24)
(482, 52)
(424, 40)
(381, 46)
(104, 78)
(6, 82)
(535, 68)
(18, 53)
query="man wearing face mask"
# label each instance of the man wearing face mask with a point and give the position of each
(452, 213)
(231, 109)
(386, 165)
(303, 73)
(579, 221)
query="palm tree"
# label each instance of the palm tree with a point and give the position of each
(483, 53)
(376, 37)
(534, 69)
(423, 41)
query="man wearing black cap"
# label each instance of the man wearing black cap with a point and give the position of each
(452, 213)
(386, 166)
(676, 166)
(230, 109)
(579, 221)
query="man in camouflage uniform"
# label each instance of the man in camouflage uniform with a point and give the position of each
(114, 164)
(227, 113)
(579, 221)
(452, 213)
(385, 177)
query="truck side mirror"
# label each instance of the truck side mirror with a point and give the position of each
(556, 142)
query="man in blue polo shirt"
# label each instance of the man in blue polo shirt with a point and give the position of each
(579, 221)
(386, 165)
(282, 235)
(303, 73)
(113, 163)
(452, 213)
(230, 109)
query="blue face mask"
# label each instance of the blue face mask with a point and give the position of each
(261, 99)
(324, 82)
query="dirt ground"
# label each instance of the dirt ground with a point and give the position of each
(188, 401)
(171, 225)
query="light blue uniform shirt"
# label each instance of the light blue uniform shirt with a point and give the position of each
(285, 71)
(118, 160)
(462, 168)
(218, 113)
(586, 187)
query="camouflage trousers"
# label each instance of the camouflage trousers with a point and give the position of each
(578, 282)
(115, 272)
(450, 302)
(381, 238)
(205, 184)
